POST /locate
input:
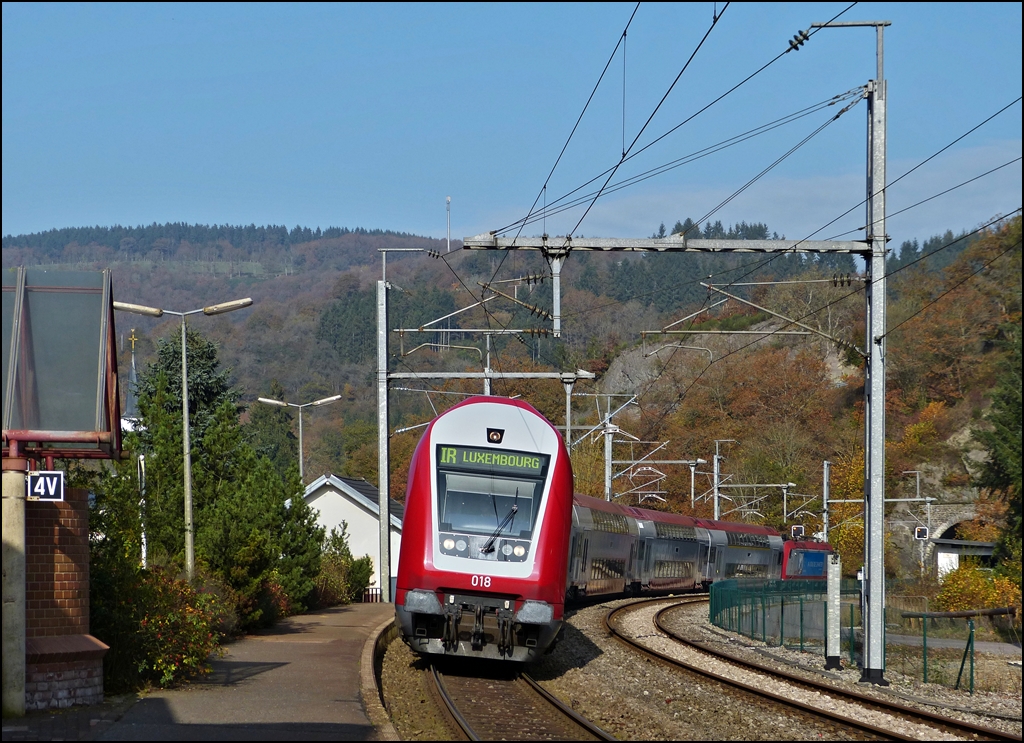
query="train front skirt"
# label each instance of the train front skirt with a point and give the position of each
(477, 626)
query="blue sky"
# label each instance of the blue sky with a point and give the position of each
(370, 115)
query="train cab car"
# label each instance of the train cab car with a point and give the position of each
(805, 560)
(483, 562)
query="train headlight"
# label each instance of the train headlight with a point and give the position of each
(519, 551)
(461, 545)
(449, 544)
(506, 549)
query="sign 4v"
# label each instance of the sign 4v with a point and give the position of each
(46, 485)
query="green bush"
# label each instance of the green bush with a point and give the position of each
(177, 627)
(342, 578)
(160, 629)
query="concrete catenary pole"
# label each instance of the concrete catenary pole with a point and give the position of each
(190, 561)
(874, 475)
(873, 667)
(383, 454)
(826, 477)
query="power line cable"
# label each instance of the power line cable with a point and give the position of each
(649, 119)
(557, 207)
(704, 108)
(890, 215)
(543, 190)
(953, 288)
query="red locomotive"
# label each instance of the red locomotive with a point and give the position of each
(493, 536)
(805, 560)
(485, 533)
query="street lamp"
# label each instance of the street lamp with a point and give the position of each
(214, 309)
(282, 404)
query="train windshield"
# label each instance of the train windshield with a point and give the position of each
(481, 490)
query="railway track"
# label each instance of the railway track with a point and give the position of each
(507, 706)
(847, 708)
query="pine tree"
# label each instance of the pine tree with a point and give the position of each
(269, 431)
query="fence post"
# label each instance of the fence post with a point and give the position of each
(801, 623)
(782, 621)
(764, 628)
(968, 648)
(924, 645)
(971, 624)
(853, 648)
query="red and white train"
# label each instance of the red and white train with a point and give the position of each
(494, 542)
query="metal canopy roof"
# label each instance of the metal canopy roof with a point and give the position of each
(59, 365)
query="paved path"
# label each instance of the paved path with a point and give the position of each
(297, 681)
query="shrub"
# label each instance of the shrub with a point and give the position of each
(970, 587)
(342, 578)
(160, 629)
(178, 629)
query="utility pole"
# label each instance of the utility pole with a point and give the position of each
(383, 442)
(826, 476)
(717, 474)
(873, 670)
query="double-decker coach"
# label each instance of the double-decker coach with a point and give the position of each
(482, 565)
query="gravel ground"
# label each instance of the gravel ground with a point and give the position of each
(636, 699)
(406, 697)
(997, 709)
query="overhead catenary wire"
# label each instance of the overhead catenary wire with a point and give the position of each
(717, 17)
(697, 113)
(650, 118)
(557, 206)
(953, 288)
(543, 190)
(890, 215)
(753, 266)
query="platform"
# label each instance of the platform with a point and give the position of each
(297, 681)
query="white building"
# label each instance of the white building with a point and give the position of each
(356, 502)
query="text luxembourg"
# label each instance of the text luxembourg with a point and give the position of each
(450, 455)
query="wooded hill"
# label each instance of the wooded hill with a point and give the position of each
(790, 401)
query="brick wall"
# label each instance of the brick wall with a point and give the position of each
(63, 663)
(57, 566)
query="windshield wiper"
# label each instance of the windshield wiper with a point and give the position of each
(509, 517)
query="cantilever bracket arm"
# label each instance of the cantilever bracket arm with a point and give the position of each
(533, 310)
(838, 341)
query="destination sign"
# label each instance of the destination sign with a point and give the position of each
(491, 460)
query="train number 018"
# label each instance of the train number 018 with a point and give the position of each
(481, 581)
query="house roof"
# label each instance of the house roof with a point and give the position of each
(359, 491)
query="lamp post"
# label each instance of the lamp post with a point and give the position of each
(283, 404)
(215, 309)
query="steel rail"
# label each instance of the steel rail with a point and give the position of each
(949, 724)
(566, 710)
(610, 621)
(465, 728)
(449, 707)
